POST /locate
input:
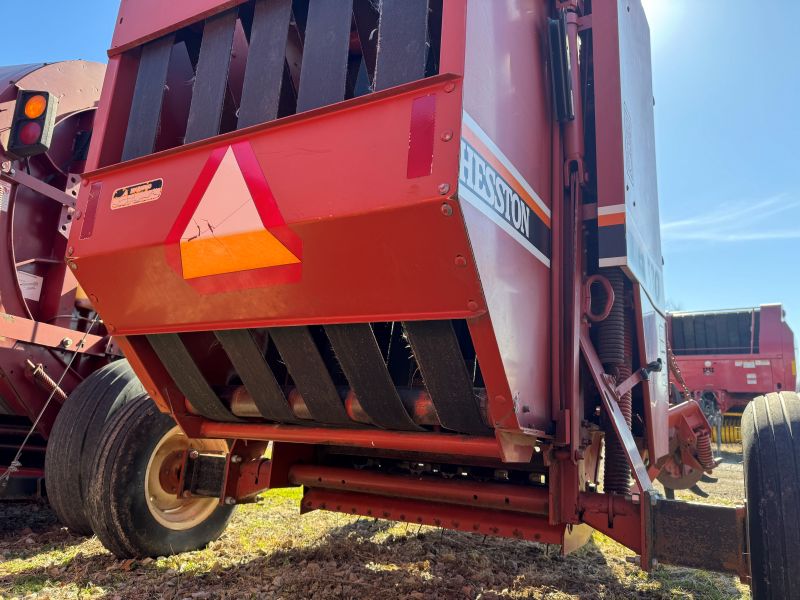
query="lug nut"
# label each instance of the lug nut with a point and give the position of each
(194, 454)
(230, 501)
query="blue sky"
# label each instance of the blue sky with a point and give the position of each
(727, 127)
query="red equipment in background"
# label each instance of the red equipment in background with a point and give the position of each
(46, 118)
(728, 357)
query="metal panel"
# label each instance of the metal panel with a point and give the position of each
(438, 355)
(698, 535)
(402, 42)
(249, 362)
(148, 95)
(187, 376)
(301, 355)
(264, 73)
(323, 76)
(363, 364)
(211, 79)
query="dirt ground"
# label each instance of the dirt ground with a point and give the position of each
(270, 551)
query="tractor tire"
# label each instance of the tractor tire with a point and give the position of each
(771, 441)
(133, 512)
(75, 435)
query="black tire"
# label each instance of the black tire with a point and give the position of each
(117, 494)
(74, 438)
(771, 441)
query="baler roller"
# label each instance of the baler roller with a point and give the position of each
(339, 375)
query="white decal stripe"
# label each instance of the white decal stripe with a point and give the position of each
(611, 210)
(466, 194)
(481, 134)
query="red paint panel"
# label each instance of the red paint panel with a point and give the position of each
(376, 245)
(423, 128)
(140, 21)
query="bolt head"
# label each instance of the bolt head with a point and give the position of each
(472, 305)
(194, 454)
(449, 88)
(230, 501)
(70, 251)
(236, 459)
(461, 261)
(447, 136)
(447, 210)
(444, 188)
(73, 265)
(66, 342)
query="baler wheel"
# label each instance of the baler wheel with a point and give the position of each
(771, 443)
(75, 435)
(132, 505)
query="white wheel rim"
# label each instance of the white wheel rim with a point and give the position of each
(178, 514)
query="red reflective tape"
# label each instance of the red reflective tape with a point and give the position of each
(91, 210)
(421, 137)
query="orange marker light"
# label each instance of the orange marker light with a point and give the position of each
(35, 106)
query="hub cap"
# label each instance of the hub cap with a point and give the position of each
(162, 478)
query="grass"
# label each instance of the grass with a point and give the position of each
(271, 551)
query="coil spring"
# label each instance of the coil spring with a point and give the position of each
(615, 348)
(705, 456)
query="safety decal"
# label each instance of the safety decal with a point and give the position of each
(30, 285)
(490, 182)
(231, 225)
(141, 193)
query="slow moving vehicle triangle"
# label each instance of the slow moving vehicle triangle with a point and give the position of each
(223, 235)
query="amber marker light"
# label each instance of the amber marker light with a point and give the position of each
(35, 106)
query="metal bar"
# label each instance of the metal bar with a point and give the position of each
(148, 96)
(248, 360)
(439, 357)
(608, 395)
(263, 75)
(187, 376)
(449, 444)
(509, 497)
(402, 42)
(211, 79)
(304, 363)
(438, 514)
(50, 336)
(365, 369)
(38, 186)
(323, 75)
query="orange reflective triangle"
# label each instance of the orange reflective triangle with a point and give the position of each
(225, 233)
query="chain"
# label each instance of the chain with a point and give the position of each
(15, 464)
(676, 370)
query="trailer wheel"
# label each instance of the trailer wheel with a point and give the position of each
(132, 501)
(74, 438)
(771, 440)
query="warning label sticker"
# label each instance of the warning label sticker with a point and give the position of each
(31, 285)
(149, 191)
